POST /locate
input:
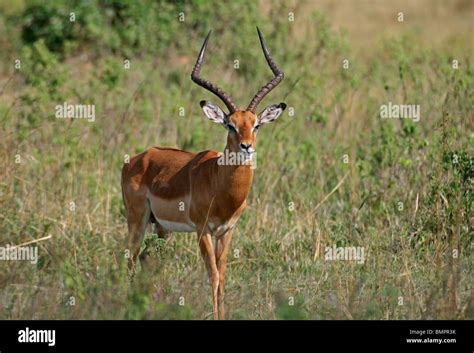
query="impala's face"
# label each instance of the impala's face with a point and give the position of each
(242, 125)
(242, 136)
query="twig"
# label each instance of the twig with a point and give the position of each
(416, 205)
(205, 223)
(32, 242)
(6, 84)
(318, 246)
(332, 191)
(321, 202)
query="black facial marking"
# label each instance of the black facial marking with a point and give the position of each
(231, 128)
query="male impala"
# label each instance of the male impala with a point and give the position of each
(191, 192)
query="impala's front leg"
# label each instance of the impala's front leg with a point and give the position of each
(222, 250)
(207, 252)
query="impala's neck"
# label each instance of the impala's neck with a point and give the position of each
(234, 178)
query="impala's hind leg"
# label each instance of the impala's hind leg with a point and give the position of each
(161, 232)
(138, 218)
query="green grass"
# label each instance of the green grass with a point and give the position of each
(407, 198)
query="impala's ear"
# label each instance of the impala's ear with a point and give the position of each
(213, 112)
(271, 113)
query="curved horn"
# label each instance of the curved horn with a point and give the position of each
(271, 84)
(207, 84)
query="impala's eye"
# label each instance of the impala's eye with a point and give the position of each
(255, 128)
(231, 128)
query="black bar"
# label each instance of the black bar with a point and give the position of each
(321, 336)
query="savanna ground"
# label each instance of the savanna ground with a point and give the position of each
(404, 188)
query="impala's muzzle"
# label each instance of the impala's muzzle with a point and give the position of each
(247, 148)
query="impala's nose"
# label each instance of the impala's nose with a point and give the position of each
(246, 146)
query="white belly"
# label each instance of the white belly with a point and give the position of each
(176, 226)
(173, 214)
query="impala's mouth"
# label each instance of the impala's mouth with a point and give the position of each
(247, 154)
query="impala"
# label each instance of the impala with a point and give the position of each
(191, 192)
